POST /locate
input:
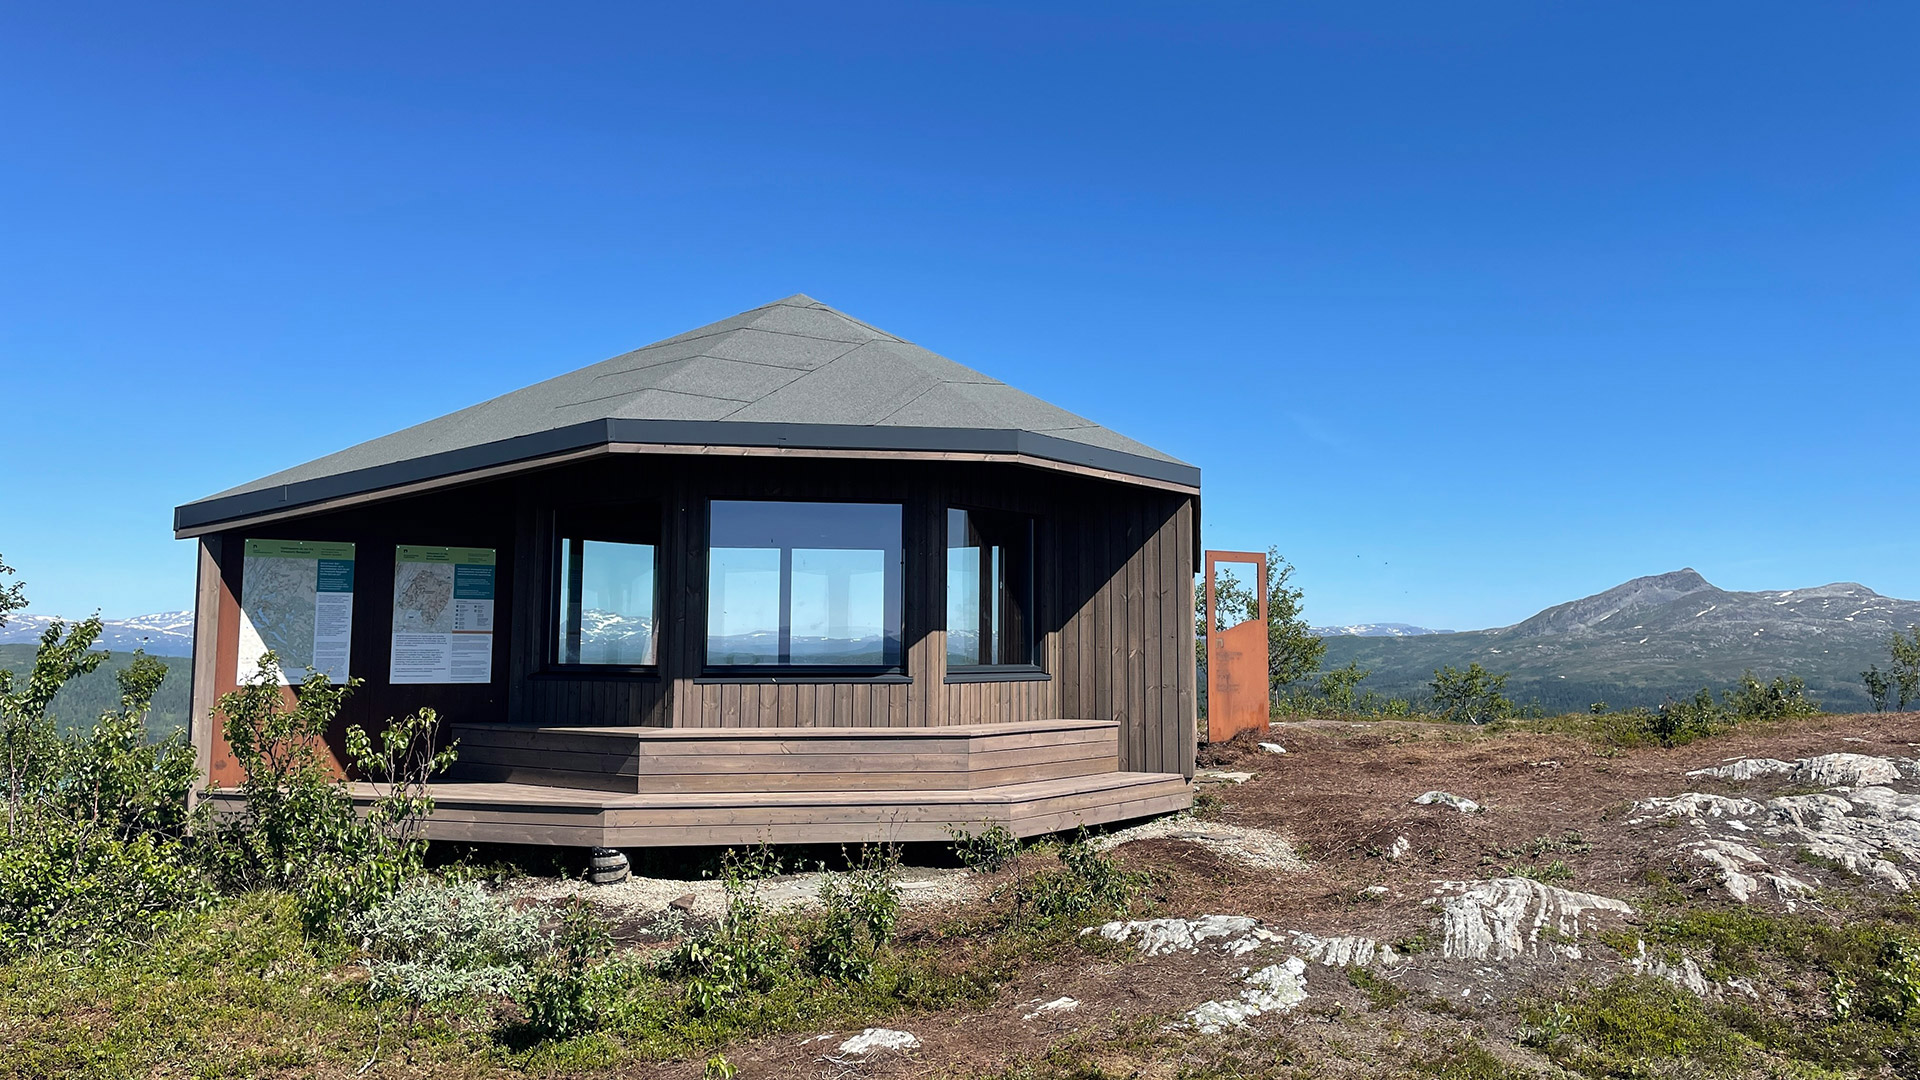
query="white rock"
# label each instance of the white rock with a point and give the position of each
(1217, 776)
(1346, 951)
(1059, 1004)
(1273, 748)
(1401, 845)
(1447, 798)
(1503, 918)
(1694, 804)
(1236, 934)
(1687, 976)
(879, 1039)
(1748, 769)
(1831, 770)
(1857, 823)
(1743, 871)
(1274, 988)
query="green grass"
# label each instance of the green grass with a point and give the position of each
(234, 992)
(1381, 992)
(238, 991)
(1802, 964)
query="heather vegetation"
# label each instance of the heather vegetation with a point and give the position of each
(290, 930)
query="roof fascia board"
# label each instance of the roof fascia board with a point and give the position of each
(540, 449)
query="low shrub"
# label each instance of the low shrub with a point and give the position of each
(744, 950)
(988, 851)
(436, 940)
(1629, 1026)
(570, 993)
(298, 829)
(94, 847)
(858, 912)
(1087, 883)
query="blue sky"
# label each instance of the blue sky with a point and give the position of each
(1469, 308)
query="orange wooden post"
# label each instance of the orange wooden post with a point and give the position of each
(1237, 693)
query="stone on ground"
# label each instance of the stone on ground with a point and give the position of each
(1506, 918)
(879, 1039)
(1447, 798)
(1274, 988)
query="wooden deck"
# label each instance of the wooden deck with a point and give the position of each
(676, 787)
(669, 760)
(507, 813)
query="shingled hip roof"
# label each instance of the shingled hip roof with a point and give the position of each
(792, 374)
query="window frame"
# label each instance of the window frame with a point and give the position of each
(550, 662)
(1032, 670)
(796, 673)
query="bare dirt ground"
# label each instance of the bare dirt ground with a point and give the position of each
(1369, 863)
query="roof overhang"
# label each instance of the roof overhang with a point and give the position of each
(597, 437)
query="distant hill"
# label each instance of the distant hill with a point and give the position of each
(168, 633)
(81, 701)
(1652, 638)
(1376, 629)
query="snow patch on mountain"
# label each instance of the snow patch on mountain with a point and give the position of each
(164, 633)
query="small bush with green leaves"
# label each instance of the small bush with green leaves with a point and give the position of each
(436, 940)
(576, 984)
(744, 951)
(988, 851)
(1473, 695)
(858, 910)
(94, 848)
(1087, 883)
(297, 829)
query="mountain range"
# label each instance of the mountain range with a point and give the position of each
(1375, 629)
(1654, 638)
(166, 633)
(1638, 643)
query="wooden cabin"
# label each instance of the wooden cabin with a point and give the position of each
(785, 578)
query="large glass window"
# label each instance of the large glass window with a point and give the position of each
(606, 586)
(989, 589)
(803, 584)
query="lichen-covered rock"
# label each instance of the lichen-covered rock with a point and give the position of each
(1505, 918)
(1744, 871)
(1747, 769)
(1850, 770)
(1057, 1005)
(1447, 798)
(1858, 824)
(1694, 804)
(879, 1039)
(1233, 934)
(1274, 988)
(1344, 951)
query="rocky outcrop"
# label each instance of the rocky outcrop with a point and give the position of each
(1509, 918)
(1274, 988)
(1858, 825)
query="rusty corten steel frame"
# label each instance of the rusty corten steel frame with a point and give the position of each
(1237, 697)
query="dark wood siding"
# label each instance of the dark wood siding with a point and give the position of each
(1113, 593)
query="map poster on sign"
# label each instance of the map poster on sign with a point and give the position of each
(442, 615)
(296, 600)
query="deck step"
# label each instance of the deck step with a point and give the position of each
(685, 760)
(509, 813)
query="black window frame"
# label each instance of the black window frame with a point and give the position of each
(1031, 668)
(550, 662)
(789, 672)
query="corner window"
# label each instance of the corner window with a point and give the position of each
(989, 589)
(606, 593)
(802, 584)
